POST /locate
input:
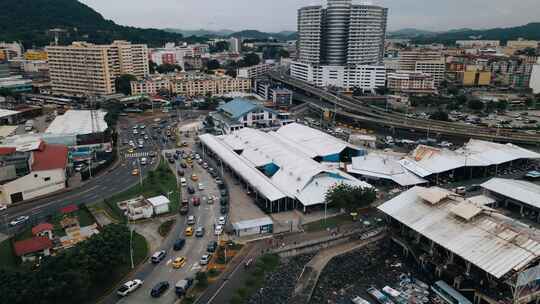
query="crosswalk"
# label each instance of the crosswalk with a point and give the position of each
(137, 155)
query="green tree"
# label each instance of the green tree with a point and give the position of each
(502, 105)
(475, 105)
(213, 65)
(350, 197)
(123, 83)
(152, 66)
(439, 115)
(250, 59)
(219, 47)
(283, 53)
(201, 279)
(168, 68)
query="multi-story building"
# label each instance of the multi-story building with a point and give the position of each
(472, 76)
(534, 84)
(411, 82)
(84, 68)
(10, 50)
(235, 45)
(270, 92)
(36, 55)
(478, 43)
(255, 71)
(522, 44)
(424, 61)
(340, 44)
(191, 84)
(437, 68)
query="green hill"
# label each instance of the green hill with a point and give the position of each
(29, 21)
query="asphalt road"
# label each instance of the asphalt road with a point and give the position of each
(98, 188)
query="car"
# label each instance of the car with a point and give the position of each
(195, 201)
(221, 220)
(182, 286)
(184, 210)
(179, 262)
(146, 137)
(158, 256)
(199, 161)
(131, 150)
(135, 172)
(144, 161)
(211, 199)
(201, 186)
(171, 160)
(205, 165)
(129, 287)
(152, 154)
(179, 152)
(179, 244)
(191, 220)
(175, 156)
(159, 289)
(19, 220)
(224, 192)
(218, 230)
(3, 207)
(141, 146)
(190, 190)
(223, 201)
(181, 173)
(194, 177)
(224, 210)
(199, 232)
(168, 155)
(189, 231)
(460, 190)
(212, 246)
(205, 259)
(183, 165)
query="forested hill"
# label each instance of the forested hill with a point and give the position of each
(29, 21)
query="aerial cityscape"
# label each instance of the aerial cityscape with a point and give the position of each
(289, 152)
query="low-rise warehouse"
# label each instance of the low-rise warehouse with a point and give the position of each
(523, 195)
(282, 174)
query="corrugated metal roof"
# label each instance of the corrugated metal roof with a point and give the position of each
(492, 242)
(383, 167)
(263, 221)
(78, 122)
(521, 191)
(158, 200)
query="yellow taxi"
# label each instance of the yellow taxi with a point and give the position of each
(179, 262)
(189, 231)
(189, 161)
(131, 150)
(194, 177)
(135, 172)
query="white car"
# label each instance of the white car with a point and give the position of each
(201, 186)
(21, 219)
(191, 220)
(129, 287)
(221, 220)
(218, 230)
(204, 259)
(3, 207)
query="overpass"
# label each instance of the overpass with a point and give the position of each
(355, 109)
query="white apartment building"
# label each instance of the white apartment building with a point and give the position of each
(478, 43)
(534, 83)
(341, 44)
(84, 68)
(255, 71)
(436, 68)
(235, 45)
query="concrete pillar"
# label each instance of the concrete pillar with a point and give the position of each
(521, 211)
(468, 271)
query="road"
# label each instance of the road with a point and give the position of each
(104, 185)
(205, 215)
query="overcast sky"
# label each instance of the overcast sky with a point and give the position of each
(278, 15)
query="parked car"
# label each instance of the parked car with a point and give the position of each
(189, 231)
(221, 220)
(3, 207)
(129, 287)
(158, 256)
(179, 244)
(184, 210)
(224, 210)
(19, 220)
(195, 201)
(199, 232)
(218, 230)
(191, 220)
(159, 289)
(181, 173)
(190, 190)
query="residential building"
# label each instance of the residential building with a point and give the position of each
(83, 68)
(436, 68)
(16, 84)
(255, 71)
(409, 58)
(10, 50)
(31, 249)
(534, 84)
(411, 82)
(36, 55)
(474, 77)
(48, 173)
(235, 45)
(268, 91)
(31, 69)
(478, 43)
(190, 84)
(193, 63)
(341, 44)
(522, 44)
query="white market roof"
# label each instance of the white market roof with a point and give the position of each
(425, 160)
(7, 113)
(78, 122)
(383, 167)
(158, 201)
(518, 190)
(492, 242)
(247, 224)
(312, 141)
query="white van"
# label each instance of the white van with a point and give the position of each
(183, 182)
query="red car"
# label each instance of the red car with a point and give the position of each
(196, 201)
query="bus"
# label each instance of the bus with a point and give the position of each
(449, 294)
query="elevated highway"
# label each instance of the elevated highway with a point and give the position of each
(357, 110)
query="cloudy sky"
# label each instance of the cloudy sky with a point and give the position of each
(278, 15)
